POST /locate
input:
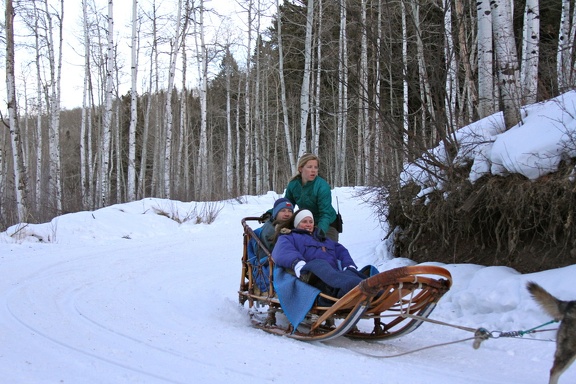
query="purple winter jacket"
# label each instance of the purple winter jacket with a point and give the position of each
(299, 245)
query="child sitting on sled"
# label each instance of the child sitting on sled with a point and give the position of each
(258, 256)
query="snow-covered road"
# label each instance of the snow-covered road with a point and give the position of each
(128, 297)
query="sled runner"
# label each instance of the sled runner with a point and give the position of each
(383, 306)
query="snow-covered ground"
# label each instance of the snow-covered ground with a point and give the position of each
(125, 295)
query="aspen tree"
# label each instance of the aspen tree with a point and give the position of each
(175, 44)
(342, 113)
(131, 177)
(107, 118)
(506, 61)
(315, 136)
(563, 59)
(530, 52)
(20, 176)
(55, 66)
(363, 169)
(285, 122)
(486, 104)
(305, 90)
(86, 176)
(202, 173)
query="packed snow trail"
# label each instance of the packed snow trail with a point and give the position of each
(126, 295)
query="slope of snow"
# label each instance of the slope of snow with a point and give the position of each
(535, 147)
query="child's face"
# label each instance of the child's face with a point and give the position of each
(284, 214)
(309, 171)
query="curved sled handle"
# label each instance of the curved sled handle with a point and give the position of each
(372, 285)
(412, 273)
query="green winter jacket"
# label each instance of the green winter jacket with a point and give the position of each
(315, 196)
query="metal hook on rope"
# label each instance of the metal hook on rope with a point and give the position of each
(480, 335)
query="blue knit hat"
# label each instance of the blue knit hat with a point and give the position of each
(280, 204)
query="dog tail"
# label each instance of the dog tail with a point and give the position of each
(549, 303)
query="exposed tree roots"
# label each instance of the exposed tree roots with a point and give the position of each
(509, 221)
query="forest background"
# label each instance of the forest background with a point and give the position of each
(215, 110)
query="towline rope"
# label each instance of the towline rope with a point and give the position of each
(480, 334)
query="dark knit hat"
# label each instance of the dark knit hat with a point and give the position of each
(280, 204)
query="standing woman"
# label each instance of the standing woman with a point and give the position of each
(310, 191)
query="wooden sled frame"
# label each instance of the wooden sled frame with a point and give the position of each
(387, 305)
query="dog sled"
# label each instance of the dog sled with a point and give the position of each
(385, 305)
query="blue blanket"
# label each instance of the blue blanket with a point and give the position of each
(260, 268)
(296, 297)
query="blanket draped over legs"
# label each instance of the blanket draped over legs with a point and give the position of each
(295, 296)
(341, 281)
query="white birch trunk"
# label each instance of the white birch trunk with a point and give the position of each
(229, 149)
(3, 171)
(119, 166)
(340, 174)
(54, 134)
(85, 125)
(91, 132)
(562, 57)
(305, 90)
(20, 182)
(107, 118)
(486, 94)
(268, 136)
(506, 59)
(530, 52)
(316, 127)
(405, 112)
(131, 177)
(117, 146)
(247, 115)
(364, 124)
(174, 48)
(145, 134)
(425, 89)
(56, 107)
(239, 181)
(202, 62)
(152, 80)
(571, 48)
(451, 66)
(157, 130)
(376, 98)
(26, 136)
(286, 123)
(183, 162)
(468, 96)
(258, 129)
(39, 158)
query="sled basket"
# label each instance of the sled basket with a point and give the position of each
(384, 306)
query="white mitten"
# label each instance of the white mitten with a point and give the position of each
(298, 267)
